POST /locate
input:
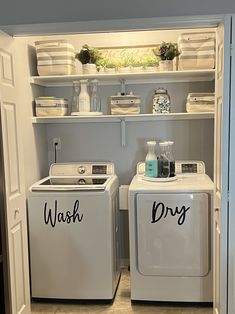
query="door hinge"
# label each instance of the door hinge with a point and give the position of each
(228, 196)
(231, 49)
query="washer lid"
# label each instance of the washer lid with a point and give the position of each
(68, 183)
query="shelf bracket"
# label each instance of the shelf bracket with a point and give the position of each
(123, 131)
(123, 86)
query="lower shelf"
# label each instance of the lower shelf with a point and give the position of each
(127, 118)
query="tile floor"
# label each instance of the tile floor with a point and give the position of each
(121, 304)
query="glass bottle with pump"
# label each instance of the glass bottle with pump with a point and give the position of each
(151, 162)
(163, 161)
(84, 98)
(75, 98)
(169, 155)
(95, 98)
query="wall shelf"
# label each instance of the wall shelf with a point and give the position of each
(126, 118)
(130, 78)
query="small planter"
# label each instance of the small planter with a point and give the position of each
(89, 68)
(109, 70)
(124, 69)
(165, 65)
(150, 69)
(136, 69)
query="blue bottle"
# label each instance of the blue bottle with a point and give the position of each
(151, 162)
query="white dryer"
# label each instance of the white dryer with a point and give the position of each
(73, 232)
(170, 225)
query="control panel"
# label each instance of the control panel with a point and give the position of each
(83, 168)
(191, 167)
(181, 167)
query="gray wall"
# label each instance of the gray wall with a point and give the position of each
(44, 11)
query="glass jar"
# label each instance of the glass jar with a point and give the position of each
(169, 155)
(163, 161)
(95, 97)
(161, 101)
(75, 98)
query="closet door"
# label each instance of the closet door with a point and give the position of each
(13, 181)
(231, 261)
(221, 153)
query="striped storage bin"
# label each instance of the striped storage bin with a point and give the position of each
(55, 57)
(200, 102)
(197, 51)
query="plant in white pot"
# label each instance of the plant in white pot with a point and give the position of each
(166, 52)
(88, 56)
(101, 65)
(136, 64)
(110, 66)
(150, 64)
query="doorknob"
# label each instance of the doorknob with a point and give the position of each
(17, 211)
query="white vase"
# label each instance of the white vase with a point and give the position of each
(89, 68)
(165, 65)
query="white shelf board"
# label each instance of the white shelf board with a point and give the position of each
(130, 78)
(127, 118)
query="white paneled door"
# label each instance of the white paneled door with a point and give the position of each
(231, 262)
(15, 203)
(221, 162)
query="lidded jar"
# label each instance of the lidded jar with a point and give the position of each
(161, 101)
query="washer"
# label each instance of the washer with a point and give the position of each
(73, 232)
(170, 227)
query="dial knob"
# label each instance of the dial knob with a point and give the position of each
(81, 169)
(82, 181)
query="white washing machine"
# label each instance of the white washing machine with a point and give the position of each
(170, 225)
(73, 232)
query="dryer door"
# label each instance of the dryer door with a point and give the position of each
(173, 234)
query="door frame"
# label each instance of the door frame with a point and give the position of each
(153, 24)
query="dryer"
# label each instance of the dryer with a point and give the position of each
(170, 225)
(73, 232)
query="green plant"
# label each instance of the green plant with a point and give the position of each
(166, 51)
(101, 63)
(150, 62)
(136, 62)
(111, 65)
(88, 55)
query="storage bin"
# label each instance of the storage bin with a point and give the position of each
(197, 51)
(51, 106)
(200, 102)
(55, 57)
(125, 104)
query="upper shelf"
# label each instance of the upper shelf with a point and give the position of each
(126, 118)
(130, 78)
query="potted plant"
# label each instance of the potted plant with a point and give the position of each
(88, 56)
(110, 66)
(150, 64)
(101, 64)
(136, 64)
(166, 52)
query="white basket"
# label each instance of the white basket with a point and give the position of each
(197, 51)
(200, 102)
(51, 106)
(55, 57)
